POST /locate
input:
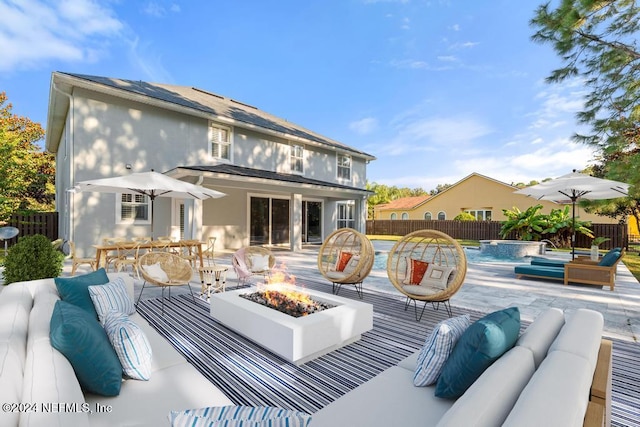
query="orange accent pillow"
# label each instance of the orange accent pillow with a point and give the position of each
(343, 260)
(417, 269)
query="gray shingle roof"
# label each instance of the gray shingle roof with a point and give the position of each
(270, 175)
(217, 105)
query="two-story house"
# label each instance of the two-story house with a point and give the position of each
(284, 184)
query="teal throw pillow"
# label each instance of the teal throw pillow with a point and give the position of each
(75, 290)
(479, 346)
(83, 341)
(609, 259)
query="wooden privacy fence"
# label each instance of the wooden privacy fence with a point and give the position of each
(45, 223)
(487, 230)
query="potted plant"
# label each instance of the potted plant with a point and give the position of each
(595, 246)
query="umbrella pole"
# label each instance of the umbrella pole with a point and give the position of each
(573, 229)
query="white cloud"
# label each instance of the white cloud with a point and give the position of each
(364, 126)
(34, 31)
(409, 63)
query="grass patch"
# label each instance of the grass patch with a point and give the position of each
(632, 261)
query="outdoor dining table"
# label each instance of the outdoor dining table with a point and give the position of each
(102, 250)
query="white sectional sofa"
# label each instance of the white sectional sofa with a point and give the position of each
(38, 386)
(557, 374)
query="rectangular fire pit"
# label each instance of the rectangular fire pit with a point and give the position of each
(297, 339)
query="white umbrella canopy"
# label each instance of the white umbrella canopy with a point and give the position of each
(573, 186)
(152, 184)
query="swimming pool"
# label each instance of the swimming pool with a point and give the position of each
(474, 256)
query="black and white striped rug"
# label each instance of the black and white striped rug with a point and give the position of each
(251, 375)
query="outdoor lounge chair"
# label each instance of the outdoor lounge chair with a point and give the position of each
(601, 274)
(166, 270)
(547, 262)
(429, 266)
(346, 258)
(252, 261)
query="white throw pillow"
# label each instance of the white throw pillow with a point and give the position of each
(131, 345)
(239, 416)
(259, 263)
(437, 348)
(111, 296)
(156, 272)
(436, 276)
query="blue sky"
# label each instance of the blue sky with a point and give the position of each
(434, 89)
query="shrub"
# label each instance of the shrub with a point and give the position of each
(33, 257)
(464, 216)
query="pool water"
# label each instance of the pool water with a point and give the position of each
(474, 256)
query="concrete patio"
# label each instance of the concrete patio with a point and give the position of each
(488, 287)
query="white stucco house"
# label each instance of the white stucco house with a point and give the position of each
(285, 185)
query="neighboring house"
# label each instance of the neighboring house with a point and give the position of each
(481, 196)
(284, 185)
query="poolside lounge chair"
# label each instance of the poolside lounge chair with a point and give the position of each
(429, 266)
(548, 262)
(601, 274)
(346, 258)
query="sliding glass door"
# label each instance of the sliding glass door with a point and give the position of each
(269, 221)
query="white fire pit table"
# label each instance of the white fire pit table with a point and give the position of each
(297, 339)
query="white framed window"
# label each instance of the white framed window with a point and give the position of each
(427, 216)
(133, 208)
(220, 139)
(442, 216)
(346, 214)
(394, 216)
(296, 158)
(344, 167)
(404, 215)
(481, 214)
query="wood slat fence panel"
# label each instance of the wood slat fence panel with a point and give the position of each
(45, 223)
(487, 230)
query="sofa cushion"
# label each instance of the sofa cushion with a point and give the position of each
(437, 348)
(148, 403)
(50, 379)
(540, 334)
(415, 271)
(11, 370)
(15, 305)
(342, 261)
(481, 344)
(388, 399)
(556, 395)
(490, 398)
(239, 416)
(82, 340)
(164, 354)
(112, 296)
(130, 343)
(581, 335)
(609, 259)
(74, 290)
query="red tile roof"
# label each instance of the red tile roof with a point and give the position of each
(404, 203)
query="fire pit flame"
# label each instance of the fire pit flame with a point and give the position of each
(280, 293)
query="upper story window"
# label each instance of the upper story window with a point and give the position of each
(442, 216)
(481, 214)
(404, 215)
(344, 167)
(394, 216)
(220, 138)
(297, 158)
(427, 216)
(133, 209)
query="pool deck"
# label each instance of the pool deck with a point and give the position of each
(488, 287)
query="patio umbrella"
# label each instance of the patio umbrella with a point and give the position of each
(572, 187)
(152, 184)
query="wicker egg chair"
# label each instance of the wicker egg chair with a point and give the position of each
(178, 272)
(429, 266)
(346, 257)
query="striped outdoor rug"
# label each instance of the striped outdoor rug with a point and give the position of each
(251, 375)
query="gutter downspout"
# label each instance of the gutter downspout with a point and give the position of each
(69, 149)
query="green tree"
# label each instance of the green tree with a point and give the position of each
(26, 172)
(597, 42)
(464, 216)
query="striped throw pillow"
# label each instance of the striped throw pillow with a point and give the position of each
(112, 296)
(437, 348)
(239, 416)
(131, 345)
